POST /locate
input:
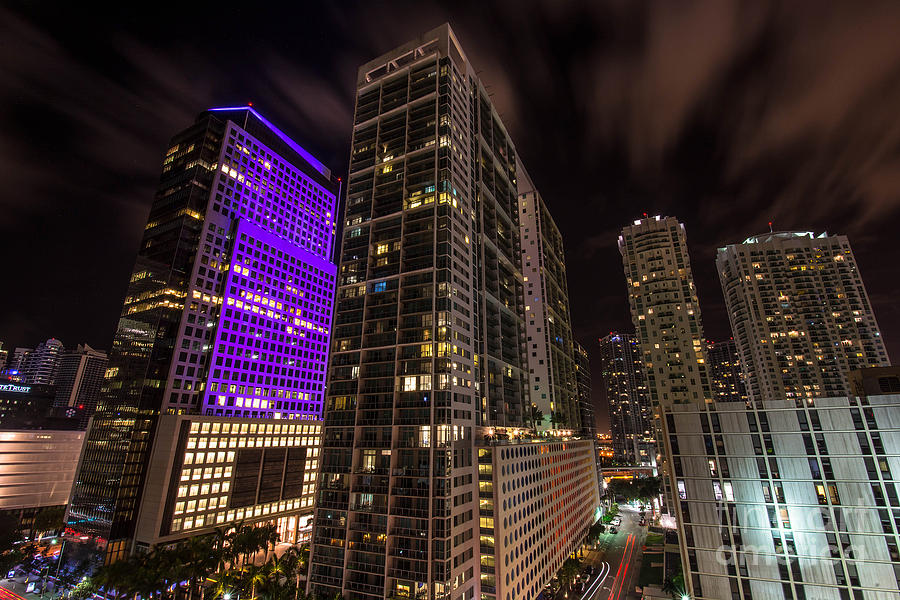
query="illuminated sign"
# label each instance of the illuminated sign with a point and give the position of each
(19, 389)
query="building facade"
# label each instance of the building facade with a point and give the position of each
(428, 358)
(205, 472)
(78, 380)
(788, 498)
(725, 374)
(228, 312)
(536, 501)
(800, 314)
(588, 426)
(553, 384)
(630, 414)
(665, 310)
(38, 365)
(37, 468)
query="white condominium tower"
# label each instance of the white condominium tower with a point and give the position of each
(666, 315)
(800, 314)
(553, 385)
(665, 310)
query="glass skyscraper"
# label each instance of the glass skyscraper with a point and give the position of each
(630, 414)
(228, 311)
(429, 369)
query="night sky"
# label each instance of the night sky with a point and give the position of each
(725, 114)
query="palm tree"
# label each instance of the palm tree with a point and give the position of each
(569, 571)
(255, 576)
(271, 536)
(116, 578)
(228, 582)
(199, 559)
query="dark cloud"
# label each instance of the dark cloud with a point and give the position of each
(726, 114)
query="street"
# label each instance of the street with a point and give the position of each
(616, 561)
(8, 594)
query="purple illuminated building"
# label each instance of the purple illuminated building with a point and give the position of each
(280, 284)
(228, 310)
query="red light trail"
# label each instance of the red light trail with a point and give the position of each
(618, 585)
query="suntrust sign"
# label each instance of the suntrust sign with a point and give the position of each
(19, 389)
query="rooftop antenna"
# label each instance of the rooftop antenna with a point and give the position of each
(770, 227)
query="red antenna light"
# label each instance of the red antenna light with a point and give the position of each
(249, 104)
(645, 214)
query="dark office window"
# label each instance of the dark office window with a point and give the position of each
(272, 475)
(293, 473)
(246, 478)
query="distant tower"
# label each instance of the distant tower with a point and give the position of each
(725, 372)
(800, 314)
(78, 380)
(630, 415)
(39, 366)
(665, 310)
(585, 402)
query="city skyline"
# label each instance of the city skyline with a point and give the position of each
(368, 345)
(688, 162)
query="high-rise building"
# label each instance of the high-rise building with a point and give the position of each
(630, 414)
(428, 371)
(585, 402)
(790, 498)
(800, 314)
(4, 359)
(228, 312)
(665, 310)
(536, 502)
(553, 387)
(30, 406)
(14, 364)
(725, 374)
(78, 380)
(38, 366)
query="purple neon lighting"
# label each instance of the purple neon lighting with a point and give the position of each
(269, 352)
(287, 350)
(318, 166)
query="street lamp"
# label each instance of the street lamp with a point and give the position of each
(60, 559)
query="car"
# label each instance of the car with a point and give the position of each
(643, 522)
(580, 587)
(613, 530)
(589, 570)
(584, 578)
